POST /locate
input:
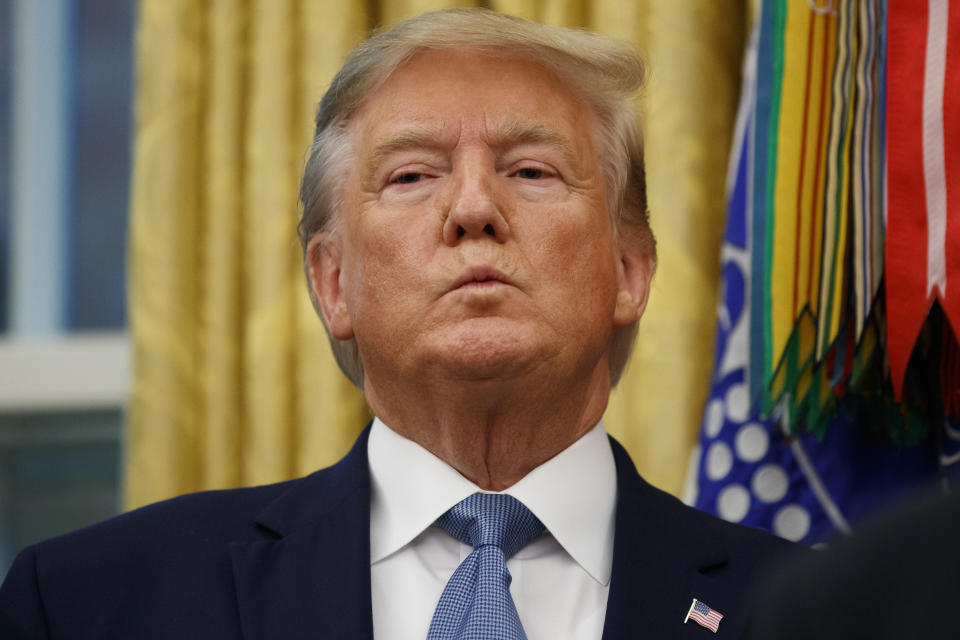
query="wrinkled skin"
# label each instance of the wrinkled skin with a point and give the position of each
(475, 263)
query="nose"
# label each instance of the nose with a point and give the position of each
(476, 208)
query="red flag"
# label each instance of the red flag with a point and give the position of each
(922, 259)
(951, 148)
(905, 257)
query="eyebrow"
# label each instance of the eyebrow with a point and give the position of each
(415, 137)
(518, 133)
(512, 134)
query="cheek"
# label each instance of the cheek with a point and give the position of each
(582, 249)
(392, 265)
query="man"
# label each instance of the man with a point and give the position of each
(476, 240)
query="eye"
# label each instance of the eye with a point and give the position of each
(408, 178)
(529, 173)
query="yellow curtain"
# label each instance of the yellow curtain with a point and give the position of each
(234, 383)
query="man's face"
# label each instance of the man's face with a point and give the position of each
(474, 235)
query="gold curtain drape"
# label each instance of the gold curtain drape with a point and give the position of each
(234, 383)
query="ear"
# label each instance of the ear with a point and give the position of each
(635, 271)
(325, 255)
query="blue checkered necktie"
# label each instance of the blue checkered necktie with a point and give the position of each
(476, 603)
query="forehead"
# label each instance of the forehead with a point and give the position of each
(445, 94)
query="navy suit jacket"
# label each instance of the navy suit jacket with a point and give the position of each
(292, 560)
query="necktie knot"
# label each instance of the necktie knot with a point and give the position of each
(495, 519)
(476, 603)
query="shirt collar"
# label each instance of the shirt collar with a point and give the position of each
(573, 494)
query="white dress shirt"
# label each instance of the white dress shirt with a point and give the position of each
(560, 580)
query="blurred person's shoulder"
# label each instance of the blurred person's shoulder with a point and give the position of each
(898, 578)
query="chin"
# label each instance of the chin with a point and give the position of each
(484, 353)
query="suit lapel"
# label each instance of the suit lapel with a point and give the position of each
(662, 559)
(310, 575)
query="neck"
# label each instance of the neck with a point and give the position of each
(494, 432)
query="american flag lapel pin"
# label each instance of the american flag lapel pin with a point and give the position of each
(703, 615)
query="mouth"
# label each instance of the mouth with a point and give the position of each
(479, 278)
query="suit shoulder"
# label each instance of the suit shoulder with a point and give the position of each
(190, 530)
(196, 520)
(667, 518)
(176, 550)
(741, 541)
(207, 514)
(165, 568)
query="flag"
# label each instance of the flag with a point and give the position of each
(704, 615)
(801, 435)
(923, 185)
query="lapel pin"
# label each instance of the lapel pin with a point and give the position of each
(703, 615)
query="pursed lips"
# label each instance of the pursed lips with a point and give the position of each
(479, 277)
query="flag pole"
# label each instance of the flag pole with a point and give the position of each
(690, 610)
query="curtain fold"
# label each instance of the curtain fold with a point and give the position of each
(693, 51)
(234, 382)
